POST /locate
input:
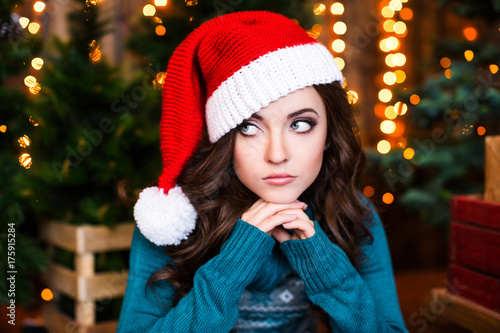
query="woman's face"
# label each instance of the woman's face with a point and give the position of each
(279, 150)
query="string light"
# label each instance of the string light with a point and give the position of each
(47, 294)
(24, 141)
(481, 130)
(149, 10)
(409, 153)
(3, 128)
(33, 27)
(319, 9)
(388, 198)
(493, 69)
(369, 191)
(25, 160)
(383, 146)
(37, 63)
(95, 52)
(337, 8)
(160, 3)
(470, 33)
(24, 21)
(39, 6)
(469, 55)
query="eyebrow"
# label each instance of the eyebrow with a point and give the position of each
(291, 115)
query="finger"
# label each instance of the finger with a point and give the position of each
(299, 211)
(280, 234)
(272, 222)
(305, 227)
(256, 206)
(271, 209)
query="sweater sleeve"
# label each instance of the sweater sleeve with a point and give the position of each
(364, 301)
(212, 304)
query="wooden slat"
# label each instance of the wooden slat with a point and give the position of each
(103, 239)
(475, 247)
(107, 285)
(62, 279)
(466, 313)
(59, 234)
(473, 209)
(88, 238)
(491, 167)
(475, 286)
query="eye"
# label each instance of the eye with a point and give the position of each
(302, 126)
(248, 129)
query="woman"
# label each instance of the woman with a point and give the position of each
(256, 224)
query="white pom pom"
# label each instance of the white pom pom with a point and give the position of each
(164, 219)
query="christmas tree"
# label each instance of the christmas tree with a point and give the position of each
(22, 256)
(449, 113)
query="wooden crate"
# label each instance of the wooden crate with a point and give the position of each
(464, 312)
(83, 284)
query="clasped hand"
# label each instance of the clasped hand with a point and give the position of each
(273, 219)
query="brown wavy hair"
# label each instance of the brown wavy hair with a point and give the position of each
(210, 183)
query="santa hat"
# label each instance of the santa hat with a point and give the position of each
(227, 69)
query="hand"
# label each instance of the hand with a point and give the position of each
(274, 218)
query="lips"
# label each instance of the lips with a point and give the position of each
(279, 179)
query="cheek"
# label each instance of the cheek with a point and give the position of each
(243, 158)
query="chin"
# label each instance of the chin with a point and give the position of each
(279, 198)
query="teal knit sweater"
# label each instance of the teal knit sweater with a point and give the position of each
(256, 284)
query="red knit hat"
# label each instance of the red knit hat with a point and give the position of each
(227, 69)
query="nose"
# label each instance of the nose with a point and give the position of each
(277, 149)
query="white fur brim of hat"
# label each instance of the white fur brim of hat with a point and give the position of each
(164, 219)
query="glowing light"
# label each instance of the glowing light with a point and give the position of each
(33, 121)
(399, 27)
(406, 14)
(340, 28)
(389, 25)
(340, 63)
(24, 21)
(160, 77)
(470, 33)
(337, 8)
(3, 128)
(493, 69)
(317, 28)
(390, 113)
(160, 3)
(400, 76)
(338, 45)
(396, 5)
(149, 10)
(319, 9)
(481, 130)
(383, 146)
(352, 96)
(30, 81)
(39, 6)
(414, 99)
(445, 62)
(389, 44)
(24, 141)
(388, 198)
(37, 63)
(33, 27)
(379, 110)
(448, 73)
(191, 2)
(400, 108)
(369, 191)
(469, 55)
(95, 53)
(25, 160)
(409, 153)
(395, 59)
(35, 89)
(387, 12)
(160, 30)
(389, 78)
(385, 95)
(387, 126)
(401, 142)
(47, 294)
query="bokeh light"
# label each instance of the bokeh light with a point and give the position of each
(338, 45)
(149, 10)
(337, 8)
(409, 153)
(481, 130)
(385, 95)
(470, 33)
(383, 146)
(388, 198)
(340, 28)
(340, 63)
(369, 191)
